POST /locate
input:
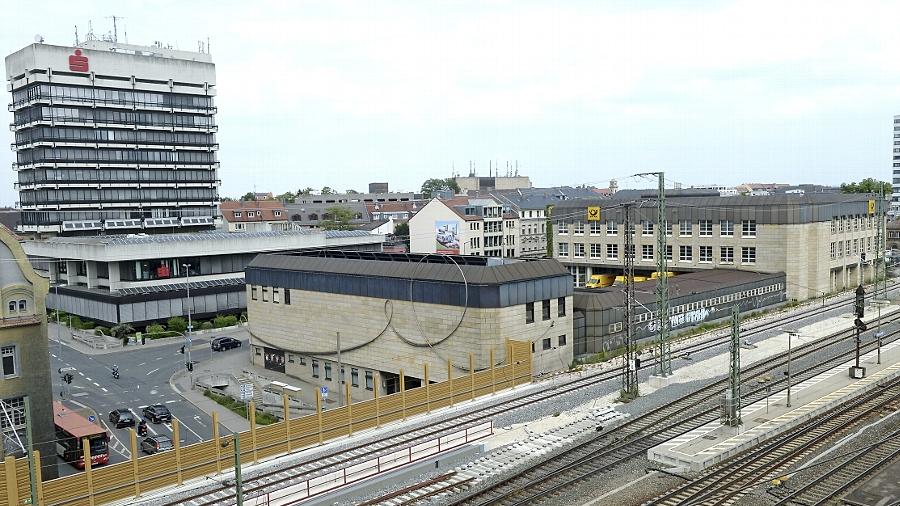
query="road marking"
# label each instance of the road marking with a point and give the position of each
(116, 442)
(79, 394)
(88, 378)
(97, 384)
(79, 372)
(54, 356)
(173, 400)
(142, 364)
(105, 390)
(181, 422)
(153, 371)
(158, 358)
(197, 419)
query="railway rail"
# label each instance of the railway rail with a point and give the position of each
(853, 468)
(265, 482)
(770, 459)
(636, 436)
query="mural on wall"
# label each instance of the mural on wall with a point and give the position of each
(446, 237)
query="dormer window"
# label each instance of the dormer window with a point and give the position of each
(23, 305)
(237, 214)
(12, 306)
(276, 213)
(251, 214)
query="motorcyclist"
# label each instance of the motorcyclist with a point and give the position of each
(115, 371)
(142, 428)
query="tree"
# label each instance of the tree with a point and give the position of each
(248, 196)
(177, 323)
(867, 185)
(337, 218)
(433, 185)
(326, 190)
(288, 197)
(305, 191)
(351, 192)
(226, 199)
(401, 233)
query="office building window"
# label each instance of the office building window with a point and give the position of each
(287, 296)
(611, 228)
(545, 343)
(578, 228)
(833, 251)
(562, 340)
(705, 254)
(647, 252)
(265, 294)
(685, 228)
(647, 227)
(10, 362)
(328, 371)
(354, 377)
(686, 253)
(667, 227)
(669, 252)
(748, 228)
(562, 227)
(595, 250)
(545, 309)
(529, 312)
(276, 296)
(370, 380)
(595, 228)
(561, 306)
(579, 250)
(706, 229)
(253, 292)
(563, 249)
(315, 368)
(302, 360)
(726, 228)
(748, 255)
(612, 251)
(726, 254)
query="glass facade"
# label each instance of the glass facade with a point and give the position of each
(143, 154)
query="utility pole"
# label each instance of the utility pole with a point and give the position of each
(629, 375)
(29, 436)
(664, 361)
(733, 395)
(880, 248)
(790, 333)
(238, 485)
(340, 373)
(548, 213)
(190, 326)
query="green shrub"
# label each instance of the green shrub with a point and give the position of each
(206, 326)
(75, 321)
(87, 325)
(121, 331)
(177, 323)
(160, 335)
(155, 329)
(240, 408)
(224, 321)
(101, 331)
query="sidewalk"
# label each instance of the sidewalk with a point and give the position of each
(180, 382)
(64, 332)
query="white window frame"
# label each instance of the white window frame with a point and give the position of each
(645, 248)
(748, 228)
(612, 251)
(563, 249)
(709, 255)
(596, 251)
(681, 253)
(726, 259)
(562, 227)
(612, 228)
(578, 228)
(726, 228)
(685, 228)
(647, 228)
(746, 255)
(578, 250)
(9, 351)
(705, 228)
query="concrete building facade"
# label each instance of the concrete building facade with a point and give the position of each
(823, 243)
(465, 226)
(24, 355)
(112, 136)
(486, 184)
(400, 312)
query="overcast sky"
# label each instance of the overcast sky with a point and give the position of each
(345, 93)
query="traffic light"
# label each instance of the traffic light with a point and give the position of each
(860, 302)
(67, 378)
(182, 350)
(189, 366)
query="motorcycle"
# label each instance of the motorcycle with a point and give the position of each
(142, 428)
(115, 372)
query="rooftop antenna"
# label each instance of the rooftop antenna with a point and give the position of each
(39, 38)
(115, 36)
(76, 35)
(90, 33)
(208, 50)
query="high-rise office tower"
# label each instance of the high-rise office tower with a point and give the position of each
(113, 137)
(895, 198)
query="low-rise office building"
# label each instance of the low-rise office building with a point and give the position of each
(822, 242)
(401, 312)
(140, 279)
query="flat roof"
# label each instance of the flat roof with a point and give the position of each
(679, 286)
(432, 267)
(119, 239)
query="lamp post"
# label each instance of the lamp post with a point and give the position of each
(190, 365)
(790, 333)
(878, 334)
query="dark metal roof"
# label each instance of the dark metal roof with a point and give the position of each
(679, 286)
(445, 268)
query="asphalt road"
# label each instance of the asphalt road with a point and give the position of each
(144, 374)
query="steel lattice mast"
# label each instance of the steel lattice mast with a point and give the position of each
(629, 374)
(733, 405)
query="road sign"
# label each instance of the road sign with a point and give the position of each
(246, 391)
(593, 213)
(871, 206)
(92, 418)
(324, 391)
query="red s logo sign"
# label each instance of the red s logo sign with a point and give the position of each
(77, 62)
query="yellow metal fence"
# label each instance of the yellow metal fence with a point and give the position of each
(145, 474)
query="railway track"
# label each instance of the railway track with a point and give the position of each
(635, 437)
(725, 483)
(272, 480)
(853, 468)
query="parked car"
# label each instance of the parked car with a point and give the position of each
(157, 413)
(121, 417)
(156, 444)
(224, 343)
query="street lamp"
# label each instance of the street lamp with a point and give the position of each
(878, 333)
(189, 365)
(790, 333)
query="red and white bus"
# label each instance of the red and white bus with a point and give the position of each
(71, 429)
